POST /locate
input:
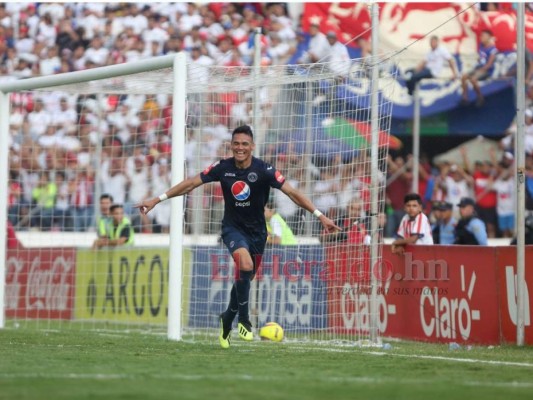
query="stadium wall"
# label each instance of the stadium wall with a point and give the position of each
(431, 293)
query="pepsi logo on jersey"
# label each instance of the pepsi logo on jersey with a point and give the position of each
(240, 190)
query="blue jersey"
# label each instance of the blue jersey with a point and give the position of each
(484, 54)
(245, 191)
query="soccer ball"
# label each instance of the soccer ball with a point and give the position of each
(271, 331)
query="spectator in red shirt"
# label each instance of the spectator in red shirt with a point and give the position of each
(399, 180)
(354, 230)
(486, 197)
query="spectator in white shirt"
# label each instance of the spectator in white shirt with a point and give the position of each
(154, 33)
(135, 20)
(5, 18)
(199, 66)
(38, 119)
(213, 29)
(285, 32)
(457, 185)
(318, 45)
(22, 69)
(66, 116)
(414, 227)
(505, 188)
(190, 19)
(278, 50)
(97, 53)
(55, 10)
(160, 182)
(32, 20)
(46, 31)
(431, 66)
(114, 181)
(51, 63)
(91, 23)
(139, 177)
(338, 57)
(50, 138)
(25, 43)
(237, 32)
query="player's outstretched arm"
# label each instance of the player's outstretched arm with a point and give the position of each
(301, 200)
(180, 189)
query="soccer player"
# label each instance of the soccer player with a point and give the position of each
(414, 227)
(246, 183)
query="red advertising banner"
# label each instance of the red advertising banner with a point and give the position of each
(443, 294)
(431, 293)
(506, 266)
(347, 276)
(40, 283)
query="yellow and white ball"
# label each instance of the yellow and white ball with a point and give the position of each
(271, 331)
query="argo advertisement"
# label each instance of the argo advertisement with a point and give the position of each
(430, 293)
(126, 285)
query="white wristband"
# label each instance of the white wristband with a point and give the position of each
(163, 197)
(317, 213)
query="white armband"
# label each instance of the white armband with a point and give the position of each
(317, 213)
(163, 197)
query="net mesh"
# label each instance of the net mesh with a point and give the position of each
(71, 144)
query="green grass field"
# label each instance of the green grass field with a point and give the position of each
(89, 365)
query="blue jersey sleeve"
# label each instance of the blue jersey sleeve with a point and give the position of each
(274, 177)
(477, 227)
(211, 173)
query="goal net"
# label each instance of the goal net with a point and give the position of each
(73, 146)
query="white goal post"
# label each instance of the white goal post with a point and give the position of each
(178, 62)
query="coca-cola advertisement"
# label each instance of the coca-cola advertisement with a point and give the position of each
(40, 283)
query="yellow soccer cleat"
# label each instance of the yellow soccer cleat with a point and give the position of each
(245, 331)
(225, 334)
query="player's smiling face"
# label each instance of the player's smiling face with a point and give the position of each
(242, 147)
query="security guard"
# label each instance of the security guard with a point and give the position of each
(120, 232)
(278, 230)
(103, 222)
(470, 229)
(444, 230)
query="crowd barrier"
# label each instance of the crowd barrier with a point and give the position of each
(431, 293)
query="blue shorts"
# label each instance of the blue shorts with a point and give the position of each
(235, 239)
(506, 222)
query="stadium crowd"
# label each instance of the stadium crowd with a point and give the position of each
(54, 135)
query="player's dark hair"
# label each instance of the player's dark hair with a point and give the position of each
(412, 196)
(245, 129)
(106, 196)
(115, 206)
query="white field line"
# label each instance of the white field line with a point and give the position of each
(388, 353)
(454, 359)
(246, 377)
